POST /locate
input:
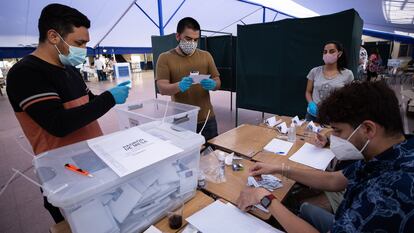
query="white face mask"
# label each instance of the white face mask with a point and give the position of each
(344, 150)
(188, 47)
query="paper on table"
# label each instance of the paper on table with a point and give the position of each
(223, 218)
(198, 78)
(282, 128)
(312, 127)
(152, 229)
(131, 150)
(271, 122)
(279, 147)
(297, 122)
(313, 156)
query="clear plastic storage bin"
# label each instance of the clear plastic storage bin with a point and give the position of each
(182, 115)
(107, 203)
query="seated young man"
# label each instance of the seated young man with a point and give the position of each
(366, 123)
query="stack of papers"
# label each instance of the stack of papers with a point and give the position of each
(268, 182)
(223, 218)
(279, 147)
(313, 156)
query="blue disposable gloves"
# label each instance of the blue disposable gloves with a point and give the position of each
(185, 84)
(313, 108)
(208, 84)
(120, 92)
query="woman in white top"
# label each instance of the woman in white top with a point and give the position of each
(322, 80)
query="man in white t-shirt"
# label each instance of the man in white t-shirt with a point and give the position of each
(99, 65)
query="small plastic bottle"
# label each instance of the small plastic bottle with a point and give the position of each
(222, 166)
(201, 180)
(292, 133)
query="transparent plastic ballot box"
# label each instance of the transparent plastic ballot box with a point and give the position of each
(178, 114)
(108, 203)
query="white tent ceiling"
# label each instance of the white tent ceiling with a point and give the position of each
(18, 18)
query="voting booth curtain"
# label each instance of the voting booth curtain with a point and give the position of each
(273, 59)
(221, 48)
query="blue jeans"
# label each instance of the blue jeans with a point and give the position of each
(319, 218)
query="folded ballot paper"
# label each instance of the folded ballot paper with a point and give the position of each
(272, 122)
(312, 127)
(297, 121)
(282, 128)
(198, 78)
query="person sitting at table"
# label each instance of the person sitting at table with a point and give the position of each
(379, 187)
(322, 80)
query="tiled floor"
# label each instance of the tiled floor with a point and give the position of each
(21, 205)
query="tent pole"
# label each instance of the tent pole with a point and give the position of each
(160, 18)
(264, 15)
(175, 12)
(116, 23)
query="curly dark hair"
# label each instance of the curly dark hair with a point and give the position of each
(357, 102)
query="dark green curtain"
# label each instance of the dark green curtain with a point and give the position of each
(273, 59)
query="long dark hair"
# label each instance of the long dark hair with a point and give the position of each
(342, 62)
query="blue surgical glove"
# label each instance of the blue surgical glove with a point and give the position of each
(208, 84)
(120, 92)
(313, 108)
(185, 84)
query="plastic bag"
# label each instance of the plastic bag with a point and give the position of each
(212, 168)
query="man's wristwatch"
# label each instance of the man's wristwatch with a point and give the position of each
(267, 200)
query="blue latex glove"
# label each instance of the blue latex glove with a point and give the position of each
(185, 84)
(120, 92)
(313, 108)
(208, 84)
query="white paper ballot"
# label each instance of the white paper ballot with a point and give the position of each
(130, 150)
(282, 128)
(279, 147)
(271, 122)
(313, 156)
(152, 229)
(121, 207)
(84, 218)
(297, 121)
(312, 127)
(223, 218)
(197, 78)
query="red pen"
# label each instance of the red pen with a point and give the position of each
(77, 170)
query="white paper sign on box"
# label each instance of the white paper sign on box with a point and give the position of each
(131, 150)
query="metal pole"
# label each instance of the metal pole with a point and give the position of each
(237, 115)
(114, 25)
(160, 18)
(264, 15)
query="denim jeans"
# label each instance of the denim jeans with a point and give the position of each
(319, 218)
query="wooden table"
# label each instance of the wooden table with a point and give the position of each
(245, 140)
(236, 181)
(198, 202)
(271, 158)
